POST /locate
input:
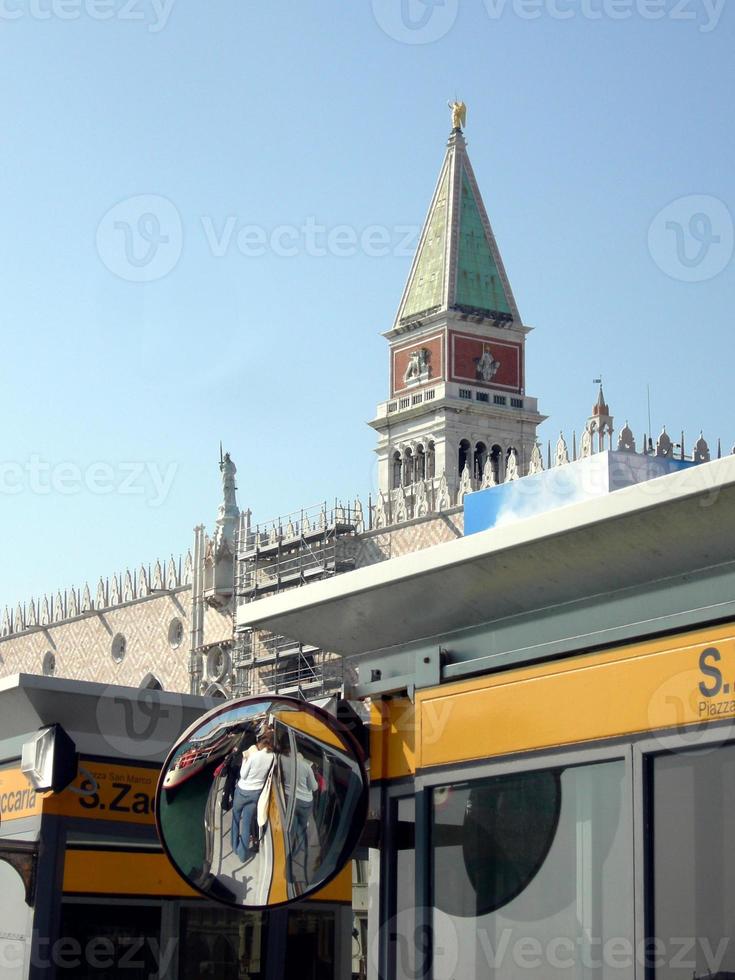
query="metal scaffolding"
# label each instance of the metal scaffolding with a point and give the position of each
(306, 546)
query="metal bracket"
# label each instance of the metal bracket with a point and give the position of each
(427, 669)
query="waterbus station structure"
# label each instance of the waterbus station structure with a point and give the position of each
(552, 745)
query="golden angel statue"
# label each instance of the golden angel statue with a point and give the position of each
(459, 114)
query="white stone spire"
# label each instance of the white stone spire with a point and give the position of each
(600, 422)
(228, 514)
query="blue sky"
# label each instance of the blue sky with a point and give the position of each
(587, 119)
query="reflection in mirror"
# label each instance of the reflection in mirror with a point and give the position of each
(262, 801)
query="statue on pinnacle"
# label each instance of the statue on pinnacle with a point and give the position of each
(459, 114)
(228, 513)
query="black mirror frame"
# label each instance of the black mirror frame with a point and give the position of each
(351, 744)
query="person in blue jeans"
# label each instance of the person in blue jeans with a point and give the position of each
(253, 775)
(299, 779)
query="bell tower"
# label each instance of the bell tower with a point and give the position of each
(458, 406)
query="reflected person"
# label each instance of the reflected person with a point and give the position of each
(306, 786)
(253, 776)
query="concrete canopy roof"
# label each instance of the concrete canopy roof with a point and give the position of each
(665, 527)
(102, 719)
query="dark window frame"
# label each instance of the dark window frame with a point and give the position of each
(645, 751)
(422, 788)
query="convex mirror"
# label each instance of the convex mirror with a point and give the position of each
(262, 801)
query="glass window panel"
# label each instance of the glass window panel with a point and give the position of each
(693, 865)
(372, 951)
(403, 934)
(501, 830)
(532, 876)
(310, 947)
(115, 941)
(224, 943)
(360, 903)
(15, 924)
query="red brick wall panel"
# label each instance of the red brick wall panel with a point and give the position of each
(465, 351)
(401, 356)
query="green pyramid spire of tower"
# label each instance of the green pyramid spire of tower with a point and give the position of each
(479, 284)
(457, 264)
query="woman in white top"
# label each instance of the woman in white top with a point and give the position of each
(253, 776)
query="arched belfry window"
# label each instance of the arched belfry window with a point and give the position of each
(430, 461)
(480, 460)
(496, 455)
(396, 482)
(408, 465)
(464, 456)
(420, 463)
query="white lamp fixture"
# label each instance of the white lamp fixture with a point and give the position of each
(49, 759)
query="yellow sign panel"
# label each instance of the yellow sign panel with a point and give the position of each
(138, 873)
(672, 688)
(392, 738)
(122, 873)
(108, 791)
(102, 790)
(18, 799)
